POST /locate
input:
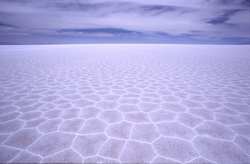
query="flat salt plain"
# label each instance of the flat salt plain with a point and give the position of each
(125, 104)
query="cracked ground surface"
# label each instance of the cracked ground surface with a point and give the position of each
(125, 104)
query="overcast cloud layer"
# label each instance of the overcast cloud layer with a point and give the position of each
(125, 21)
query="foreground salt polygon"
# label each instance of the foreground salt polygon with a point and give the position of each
(125, 104)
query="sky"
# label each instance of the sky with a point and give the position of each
(124, 21)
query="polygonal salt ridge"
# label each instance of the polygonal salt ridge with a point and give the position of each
(112, 97)
(8, 109)
(35, 122)
(168, 98)
(215, 130)
(26, 157)
(134, 90)
(198, 98)
(50, 98)
(227, 111)
(129, 100)
(202, 113)
(72, 97)
(93, 126)
(131, 95)
(137, 117)
(61, 101)
(242, 90)
(111, 116)
(241, 129)
(238, 107)
(151, 95)
(11, 126)
(127, 108)
(247, 101)
(243, 142)
(108, 84)
(235, 95)
(234, 100)
(175, 149)
(228, 119)
(160, 159)
(148, 106)
(9, 153)
(189, 119)
(81, 103)
(51, 125)
(24, 91)
(173, 107)
(245, 117)
(30, 115)
(65, 92)
(151, 100)
(118, 91)
(107, 104)
(9, 116)
(65, 106)
(200, 160)
(138, 152)
(92, 97)
(120, 130)
(144, 132)
(103, 92)
(176, 129)
(127, 86)
(67, 155)
(33, 96)
(4, 137)
(51, 143)
(84, 86)
(191, 103)
(173, 88)
(89, 112)
(92, 144)
(5, 93)
(70, 113)
(162, 115)
(116, 87)
(21, 103)
(102, 88)
(214, 98)
(141, 86)
(47, 106)
(71, 125)
(212, 105)
(100, 159)
(74, 87)
(112, 148)
(180, 94)
(54, 113)
(16, 97)
(213, 149)
(86, 92)
(191, 91)
(23, 138)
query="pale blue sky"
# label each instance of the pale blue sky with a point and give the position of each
(125, 21)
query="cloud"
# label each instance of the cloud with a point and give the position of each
(142, 18)
(97, 32)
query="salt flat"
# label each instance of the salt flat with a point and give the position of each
(125, 104)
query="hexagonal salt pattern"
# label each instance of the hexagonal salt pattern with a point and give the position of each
(125, 104)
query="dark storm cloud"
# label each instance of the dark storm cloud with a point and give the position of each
(107, 8)
(223, 18)
(6, 25)
(99, 30)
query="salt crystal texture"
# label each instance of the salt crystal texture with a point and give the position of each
(136, 103)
